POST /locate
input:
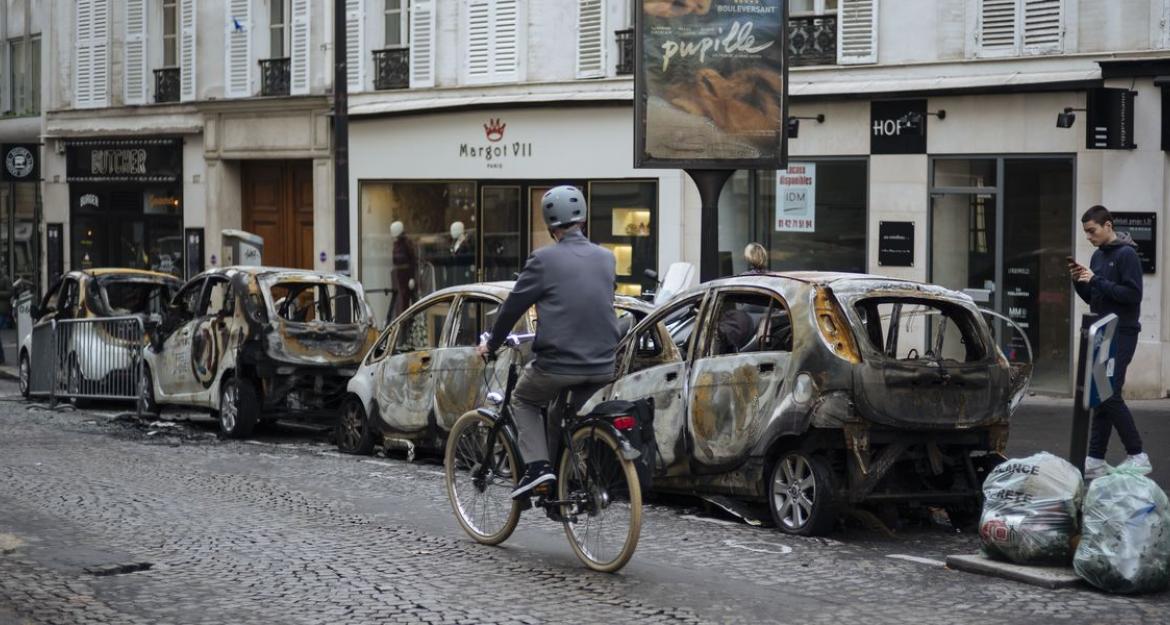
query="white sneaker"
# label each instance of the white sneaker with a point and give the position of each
(1139, 462)
(1095, 468)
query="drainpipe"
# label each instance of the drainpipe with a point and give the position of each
(340, 142)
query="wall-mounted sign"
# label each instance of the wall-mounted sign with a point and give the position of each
(897, 127)
(1143, 227)
(193, 252)
(20, 162)
(896, 244)
(493, 150)
(711, 85)
(1109, 123)
(796, 198)
(124, 160)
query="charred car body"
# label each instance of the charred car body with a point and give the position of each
(423, 372)
(253, 344)
(93, 353)
(814, 390)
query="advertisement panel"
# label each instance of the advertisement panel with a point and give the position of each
(796, 198)
(711, 86)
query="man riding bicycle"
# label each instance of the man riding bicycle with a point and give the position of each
(571, 284)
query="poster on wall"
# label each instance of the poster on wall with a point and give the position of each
(796, 198)
(1143, 228)
(711, 84)
(896, 244)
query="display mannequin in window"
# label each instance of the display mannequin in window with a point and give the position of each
(405, 261)
(461, 268)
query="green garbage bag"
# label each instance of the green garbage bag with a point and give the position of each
(1030, 510)
(1125, 547)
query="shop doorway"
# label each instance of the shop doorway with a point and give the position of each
(1000, 229)
(278, 206)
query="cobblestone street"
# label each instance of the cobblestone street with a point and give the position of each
(102, 521)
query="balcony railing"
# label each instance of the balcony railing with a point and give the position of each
(274, 76)
(166, 84)
(392, 68)
(625, 46)
(812, 40)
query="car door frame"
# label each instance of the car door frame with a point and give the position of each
(215, 329)
(458, 370)
(420, 400)
(173, 362)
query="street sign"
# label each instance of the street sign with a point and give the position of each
(1099, 365)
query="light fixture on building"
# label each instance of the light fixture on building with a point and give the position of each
(1067, 118)
(794, 124)
(941, 114)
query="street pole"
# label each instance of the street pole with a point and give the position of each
(710, 183)
(340, 142)
(1079, 443)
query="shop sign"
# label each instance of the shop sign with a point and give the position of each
(897, 127)
(1143, 227)
(1020, 280)
(896, 244)
(711, 85)
(796, 198)
(495, 150)
(124, 160)
(1110, 119)
(20, 162)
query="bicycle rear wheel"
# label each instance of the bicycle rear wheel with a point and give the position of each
(604, 520)
(481, 493)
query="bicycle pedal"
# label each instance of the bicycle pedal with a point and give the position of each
(543, 490)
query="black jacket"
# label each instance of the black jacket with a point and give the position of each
(571, 284)
(1116, 286)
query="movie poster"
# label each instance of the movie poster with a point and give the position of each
(711, 89)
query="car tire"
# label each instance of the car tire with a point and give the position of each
(75, 384)
(146, 401)
(25, 374)
(801, 494)
(354, 431)
(239, 407)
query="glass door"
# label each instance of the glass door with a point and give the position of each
(501, 242)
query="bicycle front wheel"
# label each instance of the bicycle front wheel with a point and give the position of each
(481, 491)
(603, 513)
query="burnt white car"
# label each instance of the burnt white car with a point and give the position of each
(423, 372)
(812, 391)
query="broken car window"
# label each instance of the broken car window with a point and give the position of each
(916, 329)
(422, 330)
(218, 298)
(306, 301)
(750, 322)
(133, 297)
(476, 316)
(668, 339)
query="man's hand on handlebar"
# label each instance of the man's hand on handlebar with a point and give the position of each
(482, 350)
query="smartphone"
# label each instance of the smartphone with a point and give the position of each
(1070, 260)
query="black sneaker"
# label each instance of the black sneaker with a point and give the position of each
(535, 474)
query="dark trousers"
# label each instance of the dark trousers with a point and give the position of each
(1113, 413)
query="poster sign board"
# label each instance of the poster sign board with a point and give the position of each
(896, 244)
(1143, 227)
(711, 86)
(897, 127)
(1110, 119)
(796, 198)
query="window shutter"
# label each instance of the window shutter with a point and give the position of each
(238, 57)
(479, 41)
(590, 38)
(355, 56)
(299, 63)
(187, 58)
(91, 50)
(422, 43)
(998, 21)
(135, 53)
(1043, 25)
(101, 53)
(505, 40)
(857, 29)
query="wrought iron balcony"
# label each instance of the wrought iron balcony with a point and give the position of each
(392, 68)
(625, 46)
(167, 82)
(812, 40)
(274, 76)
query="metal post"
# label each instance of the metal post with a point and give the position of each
(340, 142)
(1079, 444)
(710, 183)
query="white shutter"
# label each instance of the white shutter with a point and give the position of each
(355, 54)
(479, 41)
(422, 43)
(1043, 29)
(187, 57)
(101, 53)
(299, 63)
(135, 53)
(591, 43)
(998, 27)
(238, 57)
(91, 51)
(857, 29)
(506, 40)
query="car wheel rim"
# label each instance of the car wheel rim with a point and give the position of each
(352, 427)
(144, 390)
(24, 373)
(794, 492)
(227, 412)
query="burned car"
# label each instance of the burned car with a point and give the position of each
(814, 391)
(96, 354)
(423, 372)
(254, 344)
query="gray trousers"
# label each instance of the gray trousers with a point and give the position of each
(534, 391)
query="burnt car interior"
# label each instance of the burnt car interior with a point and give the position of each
(476, 316)
(668, 340)
(305, 302)
(751, 322)
(918, 329)
(423, 329)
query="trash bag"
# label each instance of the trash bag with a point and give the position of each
(1125, 547)
(1030, 510)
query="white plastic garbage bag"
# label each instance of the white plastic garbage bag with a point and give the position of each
(1030, 510)
(1125, 547)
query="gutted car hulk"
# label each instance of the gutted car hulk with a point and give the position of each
(255, 344)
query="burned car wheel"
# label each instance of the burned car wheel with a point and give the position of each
(25, 372)
(75, 384)
(800, 494)
(146, 401)
(353, 429)
(239, 407)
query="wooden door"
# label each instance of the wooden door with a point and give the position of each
(278, 206)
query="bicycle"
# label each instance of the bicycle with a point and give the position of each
(597, 487)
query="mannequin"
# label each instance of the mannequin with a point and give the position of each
(458, 266)
(405, 268)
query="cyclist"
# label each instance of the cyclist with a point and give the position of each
(571, 284)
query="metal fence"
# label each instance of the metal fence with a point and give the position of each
(87, 358)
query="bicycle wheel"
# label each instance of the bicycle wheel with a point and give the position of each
(604, 519)
(481, 495)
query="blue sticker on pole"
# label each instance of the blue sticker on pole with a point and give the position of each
(1100, 363)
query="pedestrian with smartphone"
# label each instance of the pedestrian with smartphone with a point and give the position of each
(1112, 283)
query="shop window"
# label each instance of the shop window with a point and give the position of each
(817, 217)
(623, 218)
